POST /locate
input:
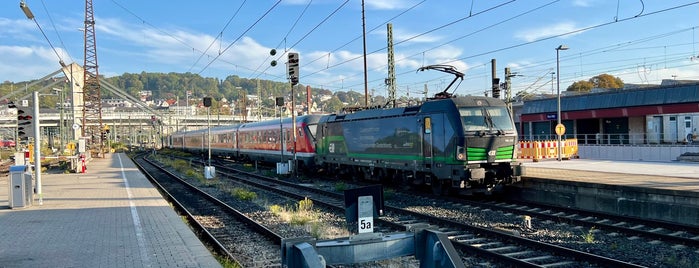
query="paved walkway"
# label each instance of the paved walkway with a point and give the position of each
(109, 217)
(676, 176)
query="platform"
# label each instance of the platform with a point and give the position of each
(110, 216)
(667, 191)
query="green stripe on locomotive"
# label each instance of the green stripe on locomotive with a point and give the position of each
(481, 154)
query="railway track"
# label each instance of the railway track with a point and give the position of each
(229, 232)
(484, 243)
(501, 247)
(649, 229)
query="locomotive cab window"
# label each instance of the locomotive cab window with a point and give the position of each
(312, 130)
(486, 119)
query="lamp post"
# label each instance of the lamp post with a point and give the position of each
(558, 95)
(37, 148)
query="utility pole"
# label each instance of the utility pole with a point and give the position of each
(425, 92)
(92, 104)
(391, 80)
(366, 80)
(259, 101)
(508, 90)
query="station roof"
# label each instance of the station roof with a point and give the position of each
(653, 96)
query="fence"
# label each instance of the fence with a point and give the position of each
(622, 138)
(536, 150)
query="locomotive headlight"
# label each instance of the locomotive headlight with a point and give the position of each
(460, 153)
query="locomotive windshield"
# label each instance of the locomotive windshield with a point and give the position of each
(312, 130)
(486, 119)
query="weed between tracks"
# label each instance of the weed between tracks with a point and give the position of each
(302, 214)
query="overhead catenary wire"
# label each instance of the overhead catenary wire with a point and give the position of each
(48, 14)
(556, 36)
(417, 35)
(31, 17)
(283, 40)
(313, 29)
(240, 36)
(329, 67)
(218, 36)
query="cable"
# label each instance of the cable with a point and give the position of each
(56, 30)
(293, 26)
(371, 30)
(220, 35)
(564, 34)
(312, 30)
(415, 36)
(240, 36)
(31, 17)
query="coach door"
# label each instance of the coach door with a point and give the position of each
(427, 152)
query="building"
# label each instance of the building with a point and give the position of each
(663, 114)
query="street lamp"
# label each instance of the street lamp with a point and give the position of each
(558, 95)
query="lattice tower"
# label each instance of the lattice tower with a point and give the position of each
(92, 97)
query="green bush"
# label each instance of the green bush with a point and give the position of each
(589, 237)
(243, 194)
(305, 205)
(340, 186)
(276, 209)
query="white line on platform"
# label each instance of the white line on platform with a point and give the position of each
(136, 219)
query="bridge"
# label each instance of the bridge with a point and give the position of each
(130, 127)
(133, 125)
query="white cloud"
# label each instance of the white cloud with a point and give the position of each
(35, 62)
(547, 31)
(386, 4)
(651, 75)
(584, 3)
(17, 29)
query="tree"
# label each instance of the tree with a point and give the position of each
(581, 86)
(333, 105)
(606, 81)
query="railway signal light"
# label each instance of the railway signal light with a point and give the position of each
(293, 65)
(207, 102)
(496, 88)
(24, 124)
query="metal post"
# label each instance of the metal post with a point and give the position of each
(558, 95)
(208, 125)
(281, 136)
(293, 128)
(37, 148)
(61, 128)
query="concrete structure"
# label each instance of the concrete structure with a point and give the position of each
(660, 191)
(109, 217)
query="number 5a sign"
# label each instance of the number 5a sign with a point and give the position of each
(365, 208)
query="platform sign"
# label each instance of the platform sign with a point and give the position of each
(560, 129)
(551, 116)
(366, 214)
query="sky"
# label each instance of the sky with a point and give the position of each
(640, 41)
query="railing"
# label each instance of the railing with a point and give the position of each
(622, 138)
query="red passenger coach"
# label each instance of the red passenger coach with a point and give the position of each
(272, 140)
(224, 141)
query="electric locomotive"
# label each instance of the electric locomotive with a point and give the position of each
(461, 144)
